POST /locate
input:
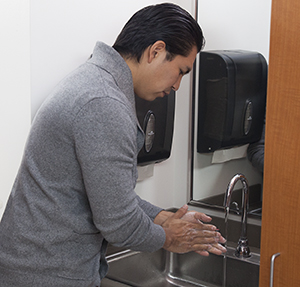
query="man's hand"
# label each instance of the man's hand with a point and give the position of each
(185, 232)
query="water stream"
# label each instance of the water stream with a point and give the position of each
(226, 237)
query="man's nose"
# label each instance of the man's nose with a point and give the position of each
(176, 85)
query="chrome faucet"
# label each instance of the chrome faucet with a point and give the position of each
(242, 249)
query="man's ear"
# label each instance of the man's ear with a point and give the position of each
(158, 48)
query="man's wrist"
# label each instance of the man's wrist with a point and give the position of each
(162, 217)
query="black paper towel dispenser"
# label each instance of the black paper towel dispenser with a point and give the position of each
(157, 120)
(231, 100)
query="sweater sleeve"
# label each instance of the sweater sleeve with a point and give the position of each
(151, 210)
(256, 153)
(105, 138)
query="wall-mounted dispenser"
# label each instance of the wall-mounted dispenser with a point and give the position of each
(231, 100)
(157, 120)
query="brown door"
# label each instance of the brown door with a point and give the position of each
(281, 195)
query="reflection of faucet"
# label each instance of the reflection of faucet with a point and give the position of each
(242, 249)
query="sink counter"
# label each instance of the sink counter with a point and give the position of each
(167, 269)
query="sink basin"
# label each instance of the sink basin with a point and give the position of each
(166, 269)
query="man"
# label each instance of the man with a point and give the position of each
(75, 188)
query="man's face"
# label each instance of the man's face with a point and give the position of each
(159, 75)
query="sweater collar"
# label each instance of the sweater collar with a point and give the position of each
(110, 60)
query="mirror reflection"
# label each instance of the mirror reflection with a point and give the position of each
(213, 169)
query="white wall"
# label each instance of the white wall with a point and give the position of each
(231, 24)
(64, 33)
(14, 90)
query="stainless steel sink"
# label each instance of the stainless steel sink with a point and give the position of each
(165, 269)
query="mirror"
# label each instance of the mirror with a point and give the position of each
(231, 26)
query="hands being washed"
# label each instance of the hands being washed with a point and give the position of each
(198, 217)
(185, 232)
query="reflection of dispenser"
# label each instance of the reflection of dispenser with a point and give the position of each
(157, 120)
(232, 99)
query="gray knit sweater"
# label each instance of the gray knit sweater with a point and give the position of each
(75, 187)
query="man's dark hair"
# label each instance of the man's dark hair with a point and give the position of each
(166, 22)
